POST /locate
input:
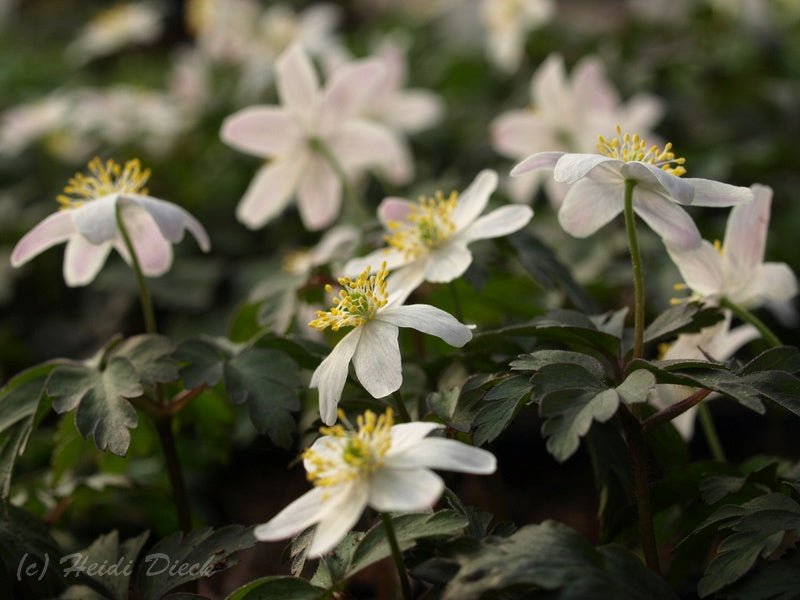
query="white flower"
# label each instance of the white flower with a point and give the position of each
(87, 221)
(381, 465)
(597, 192)
(720, 342)
(508, 23)
(566, 114)
(428, 240)
(372, 346)
(736, 269)
(291, 136)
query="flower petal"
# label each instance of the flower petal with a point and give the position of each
(406, 435)
(589, 205)
(83, 260)
(775, 282)
(261, 130)
(337, 243)
(348, 90)
(447, 262)
(701, 268)
(499, 222)
(341, 514)
(331, 375)
(393, 259)
(404, 489)
(296, 79)
(518, 133)
(172, 220)
(153, 252)
(269, 192)
(298, 515)
(474, 198)
(97, 220)
(536, 162)
(442, 453)
(393, 209)
(428, 319)
(675, 188)
(715, 193)
(572, 167)
(54, 229)
(405, 280)
(320, 194)
(667, 219)
(746, 230)
(360, 144)
(377, 358)
(412, 110)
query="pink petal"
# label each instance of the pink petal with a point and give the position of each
(667, 219)
(413, 110)
(261, 130)
(360, 144)
(537, 162)
(83, 260)
(319, 195)
(269, 192)
(153, 251)
(746, 230)
(701, 268)
(572, 167)
(53, 230)
(298, 86)
(348, 91)
(393, 209)
(519, 133)
(589, 205)
(172, 220)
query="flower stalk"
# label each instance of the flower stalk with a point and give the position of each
(144, 293)
(397, 556)
(748, 317)
(638, 277)
(710, 431)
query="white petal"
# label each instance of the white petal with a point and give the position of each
(269, 192)
(701, 268)
(172, 220)
(261, 130)
(746, 230)
(407, 435)
(413, 110)
(404, 490)
(590, 85)
(359, 144)
(393, 209)
(153, 252)
(83, 260)
(447, 262)
(298, 515)
(393, 259)
(536, 162)
(53, 230)
(377, 359)
(348, 90)
(97, 220)
(499, 222)
(341, 514)
(474, 198)
(589, 205)
(337, 243)
(298, 86)
(320, 194)
(715, 193)
(667, 219)
(727, 343)
(442, 453)
(649, 176)
(519, 133)
(548, 86)
(331, 374)
(572, 167)
(428, 319)
(775, 282)
(402, 282)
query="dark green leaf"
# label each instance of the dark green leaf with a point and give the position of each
(636, 386)
(100, 397)
(780, 387)
(612, 322)
(774, 580)
(561, 377)
(683, 318)
(204, 359)
(498, 408)
(278, 588)
(784, 358)
(457, 408)
(569, 415)
(542, 358)
(151, 356)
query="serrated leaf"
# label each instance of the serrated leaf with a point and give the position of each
(612, 322)
(683, 318)
(332, 568)
(457, 407)
(151, 356)
(774, 580)
(204, 359)
(542, 358)
(636, 386)
(100, 396)
(278, 588)
(570, 414)
(560, 377)
(269, 383)
(297, 550)
(21, 407)
(181, 558)
(715, 488)
(780, 387)
(783, 358)
(498, 408)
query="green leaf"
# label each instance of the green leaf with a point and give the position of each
(21, 408)
(569, 416)
(498, 408)
(552, 557)
(774, 580)
(278, 588)
(560, 377)
(542, 358)
(151, 356)
(204, 359)
(100, 397)
(636, 386)
(780, 387)
(181, 558)
(683, 318)
(457, 407)
(784, 358)
(269, 382)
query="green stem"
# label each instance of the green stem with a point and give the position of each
(459, 314)
(401, 406)
(748, 317)
(353, 210)
(179, 495)
(397, 555)
(144, 293)
(638, 277)
(707, 423)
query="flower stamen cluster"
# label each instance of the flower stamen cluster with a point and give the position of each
(104, 179)
(428, 225)
(632, 148)
(350, 453)
(357, 302)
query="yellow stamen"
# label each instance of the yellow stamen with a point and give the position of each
(428, 225)
(632, 148)
(679, 287)
(296, 261)
(718, 247)
(357, 302)
(358, 454)
(104, 179)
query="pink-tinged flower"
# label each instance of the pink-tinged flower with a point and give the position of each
(597, 189)
(719, 342)
(428, 239)
(382, 465)
(365, 305)
(87, 222)
(565, 114)
(508, 23)
(736, 269)
(300, 138)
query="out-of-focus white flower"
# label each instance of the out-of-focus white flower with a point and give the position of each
(87, 222)
(25, 124)
(719, 342)
(313, 127)
(381, 465)
(508, 23)
(115, 28)
(428, 240)
(598, 182)
(566, 114)
(189, 83)
(736, 269)
(223, 29)
(365, 305)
